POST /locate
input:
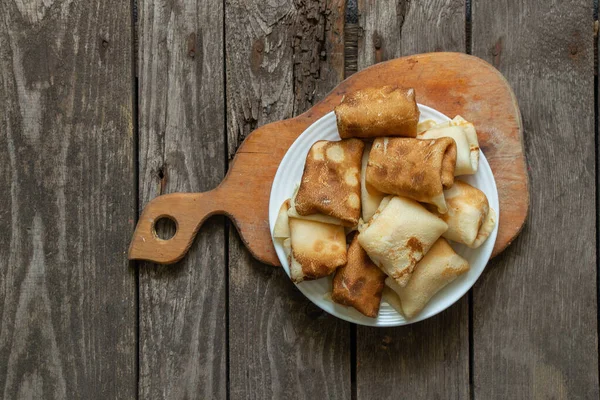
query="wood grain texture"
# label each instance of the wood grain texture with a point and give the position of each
(427, 360)
(535, 332)
(391, 29)
(430, 359)
(281, 345)
(351, 31)
(181, 128)
(68, 305)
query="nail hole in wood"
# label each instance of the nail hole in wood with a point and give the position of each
(165, 228)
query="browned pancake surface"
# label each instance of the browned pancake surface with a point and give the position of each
(376, 112)
(413, 168)
(359, 283)
(331, 181)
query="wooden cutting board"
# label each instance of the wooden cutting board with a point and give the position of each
(452, 83)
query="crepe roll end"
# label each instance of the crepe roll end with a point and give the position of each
(471, 136)
(448, 162)
(465, 137)
(282, 227)
(474, 159)
(296, 274)
(486, 228)
(425, 125)
(391, 297)
(440, 203)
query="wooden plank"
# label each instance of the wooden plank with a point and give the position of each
(429, 359)
(182, 149)
(534, 320)
(68, 308)
(399, 28)
(281, 346)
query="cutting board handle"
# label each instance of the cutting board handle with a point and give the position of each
(187, 210)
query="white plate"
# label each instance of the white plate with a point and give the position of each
(288, 176)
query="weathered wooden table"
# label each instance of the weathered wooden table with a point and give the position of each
(107, 104)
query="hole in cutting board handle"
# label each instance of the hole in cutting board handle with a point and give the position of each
(165, 227)
(187, 211)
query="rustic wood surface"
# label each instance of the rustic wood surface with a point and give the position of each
(535, 307)
(429, 360)
(182, 307)
(67, 293)
(281, 346)
(77, 321)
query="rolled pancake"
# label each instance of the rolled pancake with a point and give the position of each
(440, 266)
(399, 235)
(282, 226)
(331, 183)
(317, 249)
(376, 112)
(467, 146)
(470, 219)
(359, 283)
(413, 168)
(369, 202)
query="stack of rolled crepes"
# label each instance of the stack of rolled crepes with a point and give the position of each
(392, 180)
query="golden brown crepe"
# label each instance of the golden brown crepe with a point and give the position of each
(376, 112)
(399, 235)
(317, 249)
(369, 201)
(282, 226)
(359, 283)
(470, 219)
(331, 183)
(413, 168)
(440, 266)
(465, 137)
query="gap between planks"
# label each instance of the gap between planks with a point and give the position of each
(226, 222)
(596, 141)
(468, 48)
(136, 161)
